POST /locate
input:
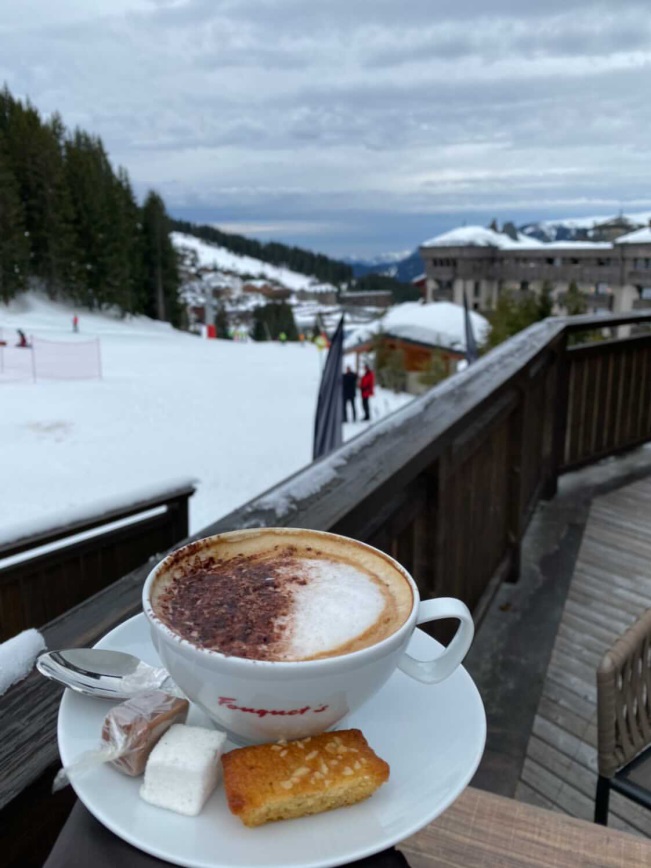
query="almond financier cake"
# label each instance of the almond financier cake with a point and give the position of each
(279, 781)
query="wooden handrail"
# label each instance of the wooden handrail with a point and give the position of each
(95, 518)
(447, 485)
(53, 570)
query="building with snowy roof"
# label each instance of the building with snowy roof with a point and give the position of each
(480, 262)
(418, 335)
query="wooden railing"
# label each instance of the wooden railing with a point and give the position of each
(447, 485)
(45, 574)
(609, 399)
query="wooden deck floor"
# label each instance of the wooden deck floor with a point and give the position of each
(610, 587)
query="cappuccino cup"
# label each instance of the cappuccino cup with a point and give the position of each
(280, 633)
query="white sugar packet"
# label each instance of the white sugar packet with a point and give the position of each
(17, 656)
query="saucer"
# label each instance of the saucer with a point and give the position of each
(432, 736)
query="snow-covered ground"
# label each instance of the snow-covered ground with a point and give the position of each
(237, 417)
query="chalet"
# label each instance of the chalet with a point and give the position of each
(324, 293)
(424, 335)
(269, 290)
(380, 298)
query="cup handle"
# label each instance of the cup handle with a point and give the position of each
(431, 671)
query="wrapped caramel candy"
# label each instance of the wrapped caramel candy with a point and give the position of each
(133, 728)
(129, 734)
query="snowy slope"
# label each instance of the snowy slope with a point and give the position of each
(213, 256)
(238, 417)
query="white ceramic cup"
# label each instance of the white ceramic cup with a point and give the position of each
(260, 700)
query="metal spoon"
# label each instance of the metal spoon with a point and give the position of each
(105, 674)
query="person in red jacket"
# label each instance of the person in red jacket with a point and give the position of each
(366, 386)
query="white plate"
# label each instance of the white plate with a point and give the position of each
(432, 736)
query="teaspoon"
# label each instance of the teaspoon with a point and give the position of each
(104, 674)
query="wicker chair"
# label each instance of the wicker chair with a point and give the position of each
(624, 719)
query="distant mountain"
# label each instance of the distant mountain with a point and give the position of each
(581, 228)
(403, 267)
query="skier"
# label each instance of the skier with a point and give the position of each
(75, 323)
(22, 340)
(367, 385)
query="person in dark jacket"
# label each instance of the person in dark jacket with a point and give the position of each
(350, 390)
(367, 386)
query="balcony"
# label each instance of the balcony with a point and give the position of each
(482, 489)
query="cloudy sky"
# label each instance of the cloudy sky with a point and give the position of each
(351, 126)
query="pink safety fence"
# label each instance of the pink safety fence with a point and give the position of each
(48, 360)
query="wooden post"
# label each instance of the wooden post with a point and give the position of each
(560, 410)
(515, 504)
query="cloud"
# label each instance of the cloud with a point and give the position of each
(294, 116)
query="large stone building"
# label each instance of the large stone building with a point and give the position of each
(613, 275)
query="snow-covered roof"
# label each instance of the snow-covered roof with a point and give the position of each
(575, 245)
(640, 236)
(481, 236)
(439, 324)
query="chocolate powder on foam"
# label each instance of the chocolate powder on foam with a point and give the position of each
(236, 607)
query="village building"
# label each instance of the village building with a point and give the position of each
(479, 263)
(323, 293)
(268, 290)
(378, 298)
(416, 341)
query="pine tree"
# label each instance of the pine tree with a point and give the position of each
(574, 302)
(390, 365)
(260, 328)
(127, 277)
(221, 322)
(14, 247)
(160, 261)
(273, 319)
(510, 316)
(545, 301)
(35, 153)
(91, 182)
(435, 371)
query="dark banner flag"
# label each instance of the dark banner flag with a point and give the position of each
(471, 344)
(330, 405)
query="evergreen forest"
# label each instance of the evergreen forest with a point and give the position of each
(70, 224)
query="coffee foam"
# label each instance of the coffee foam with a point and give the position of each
(338, 604)
(335, 596)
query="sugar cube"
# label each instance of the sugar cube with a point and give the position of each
(183, 769)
